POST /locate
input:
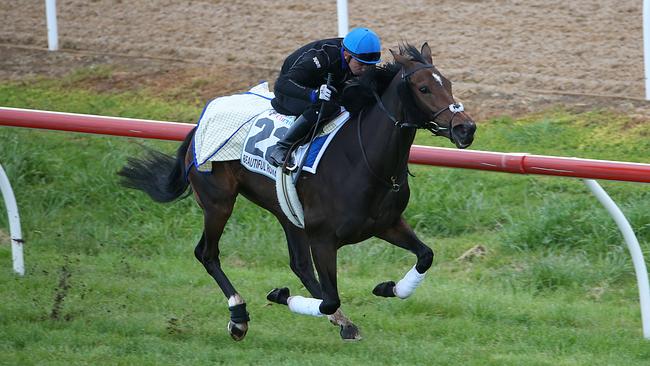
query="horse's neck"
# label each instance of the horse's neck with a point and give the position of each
(388, 145)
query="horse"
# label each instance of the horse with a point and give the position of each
(360, 190)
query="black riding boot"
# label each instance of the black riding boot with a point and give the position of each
(298, 130)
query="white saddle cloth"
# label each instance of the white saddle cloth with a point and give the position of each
(244, 127)
(224, 124)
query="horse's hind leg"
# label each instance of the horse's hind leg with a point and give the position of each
(403, 236)
(301, 264)
(217, 202)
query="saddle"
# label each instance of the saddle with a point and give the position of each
(315, 131)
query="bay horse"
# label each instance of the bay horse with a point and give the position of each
(360, 190)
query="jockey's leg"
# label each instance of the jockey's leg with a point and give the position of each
(297, 131)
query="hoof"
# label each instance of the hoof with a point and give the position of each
(237, 330)
(350, 333)
(385, 289)
(278, 295)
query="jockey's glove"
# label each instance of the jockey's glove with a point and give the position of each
(326, 92)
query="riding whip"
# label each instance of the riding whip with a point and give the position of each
(313, 135)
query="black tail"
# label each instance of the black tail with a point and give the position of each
(159, 175)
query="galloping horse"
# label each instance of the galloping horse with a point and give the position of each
(359, 191)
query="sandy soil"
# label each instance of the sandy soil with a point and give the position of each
(505, 57)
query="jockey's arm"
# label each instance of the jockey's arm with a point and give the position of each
(297, 82)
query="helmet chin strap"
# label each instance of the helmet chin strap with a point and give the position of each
(348, 59)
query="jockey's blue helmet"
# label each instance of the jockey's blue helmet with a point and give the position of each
(363, 45)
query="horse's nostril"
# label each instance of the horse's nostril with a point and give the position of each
(460, 130)
(466, 129)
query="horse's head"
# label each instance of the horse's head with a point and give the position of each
(433, 105)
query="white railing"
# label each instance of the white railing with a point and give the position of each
(52, 27)
(14, 223)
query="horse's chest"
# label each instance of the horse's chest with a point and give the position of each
(355, 213)
(371, 218)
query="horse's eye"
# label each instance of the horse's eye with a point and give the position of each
(424, 90)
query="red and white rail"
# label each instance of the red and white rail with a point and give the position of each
(517, 163)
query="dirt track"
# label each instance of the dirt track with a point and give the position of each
(505, 57)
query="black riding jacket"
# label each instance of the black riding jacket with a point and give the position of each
(305, 70)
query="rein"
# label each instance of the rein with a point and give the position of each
(392, 182)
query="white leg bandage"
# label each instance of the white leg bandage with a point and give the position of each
(409, 283)
(235, 300)
(305, 305)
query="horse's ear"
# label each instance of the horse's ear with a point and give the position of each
(399, 58)
(426, 52)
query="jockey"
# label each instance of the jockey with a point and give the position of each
(301, 86)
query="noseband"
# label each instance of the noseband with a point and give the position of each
(435, 128)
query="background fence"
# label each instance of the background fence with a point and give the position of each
(518, 163)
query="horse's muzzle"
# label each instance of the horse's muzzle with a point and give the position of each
(462, 134)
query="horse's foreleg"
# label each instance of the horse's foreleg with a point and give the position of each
(403, 236)
(300, 259)
(325, 300)
(302, 265)
(324, 256)
(325, 262)
(348, 330)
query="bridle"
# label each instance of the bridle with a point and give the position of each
(435, 128)
(432, 125)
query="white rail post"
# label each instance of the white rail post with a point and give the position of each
(646, 46)
(342, 13)
(14, 223)
(52, 28)
(634, 248)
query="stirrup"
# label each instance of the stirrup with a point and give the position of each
(291, 168)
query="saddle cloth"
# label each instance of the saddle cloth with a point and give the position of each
(244, 126)
(269, 127)
(224, 123)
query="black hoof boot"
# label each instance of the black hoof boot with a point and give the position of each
(278, 295)
(384, 289)
(350, 333)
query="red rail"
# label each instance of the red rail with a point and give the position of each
(468, 159)
(530, 164)
(94, 124)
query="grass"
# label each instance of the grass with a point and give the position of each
(111, 277)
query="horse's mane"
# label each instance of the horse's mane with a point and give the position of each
(358, 92)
